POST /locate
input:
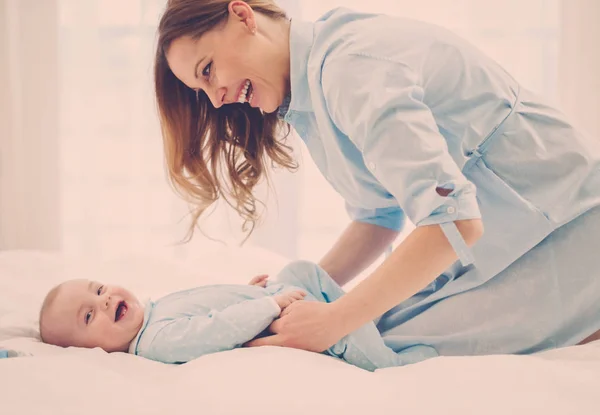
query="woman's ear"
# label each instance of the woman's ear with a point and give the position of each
(241, 11)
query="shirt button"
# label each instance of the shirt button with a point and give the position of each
(372, 165)
(450, 209)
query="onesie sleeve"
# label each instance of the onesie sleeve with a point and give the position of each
(379, 105)
(183, 339)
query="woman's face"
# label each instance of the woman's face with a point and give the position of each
(237, 62)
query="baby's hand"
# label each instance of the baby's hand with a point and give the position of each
(260, 280)
(287, 298)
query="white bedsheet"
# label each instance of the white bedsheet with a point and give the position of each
(248, 381)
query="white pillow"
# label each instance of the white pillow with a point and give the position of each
(26, 277)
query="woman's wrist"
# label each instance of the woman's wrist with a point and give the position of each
(343, 318)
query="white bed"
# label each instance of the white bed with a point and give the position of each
(50, 380)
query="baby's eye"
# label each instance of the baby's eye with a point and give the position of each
(88, 316)
(100, 289)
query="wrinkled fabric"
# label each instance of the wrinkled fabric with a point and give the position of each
(407, 121)
(364, 347)
(189, 324)
(548, 298)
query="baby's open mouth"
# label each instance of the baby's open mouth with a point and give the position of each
(121, 311)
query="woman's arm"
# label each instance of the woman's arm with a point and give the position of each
(415, 263)
(359, 245)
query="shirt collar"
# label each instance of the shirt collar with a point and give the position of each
(301, 42)
(148, 305)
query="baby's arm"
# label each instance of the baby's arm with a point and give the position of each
(184, 339)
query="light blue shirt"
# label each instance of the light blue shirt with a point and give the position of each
(188, 324)
(395, 111)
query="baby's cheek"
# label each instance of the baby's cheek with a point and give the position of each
(106, 328)
(108, 336)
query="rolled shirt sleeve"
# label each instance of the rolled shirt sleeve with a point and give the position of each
(390, 217)
(379, 105)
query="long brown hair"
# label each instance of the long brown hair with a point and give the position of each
(210, 152)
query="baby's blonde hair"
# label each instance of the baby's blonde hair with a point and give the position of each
(48, 302)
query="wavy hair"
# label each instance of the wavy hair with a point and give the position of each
(210, 152)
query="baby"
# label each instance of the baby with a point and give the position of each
(185, 325)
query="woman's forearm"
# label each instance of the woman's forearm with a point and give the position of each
(358, 246)
(416, 262)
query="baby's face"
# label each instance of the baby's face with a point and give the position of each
(91, 314)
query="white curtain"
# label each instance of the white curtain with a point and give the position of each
(29, 132)
(81, 154)
(115, 194)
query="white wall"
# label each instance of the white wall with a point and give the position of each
(579, 72)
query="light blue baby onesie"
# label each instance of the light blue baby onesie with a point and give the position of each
(188, 324)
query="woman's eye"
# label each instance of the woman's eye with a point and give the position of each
(100, 289)
(206, 70)
(88, 316)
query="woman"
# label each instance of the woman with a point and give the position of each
(405, 120)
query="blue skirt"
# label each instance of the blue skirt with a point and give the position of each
(548, 298)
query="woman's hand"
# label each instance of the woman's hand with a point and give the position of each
(307, 325)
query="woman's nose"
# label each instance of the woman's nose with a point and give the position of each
(217, 97)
